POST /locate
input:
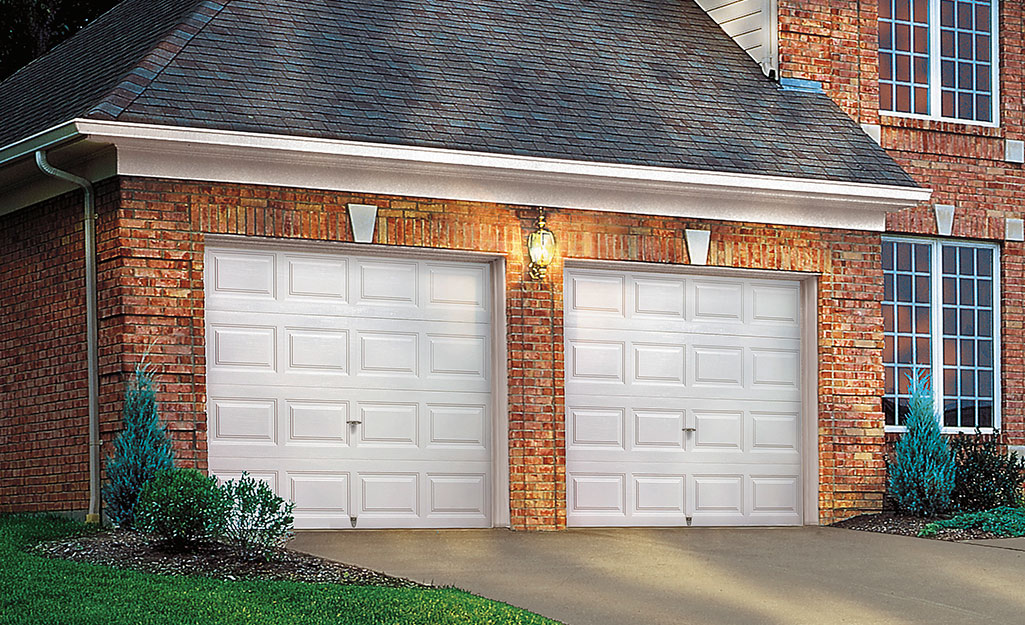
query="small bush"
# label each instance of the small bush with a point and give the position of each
(140, 450)
(921, 473)
(1002, 521)
(184, 507)
(259, 519)
(986, 478)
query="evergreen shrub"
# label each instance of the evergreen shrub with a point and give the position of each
(922, 471)
(259, 519)
(184, 507)
(140, 450)
(1002, 521)
(986, 478)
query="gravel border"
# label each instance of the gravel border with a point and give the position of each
(893, 523)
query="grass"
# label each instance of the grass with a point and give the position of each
(1003, 521)
(41, 590)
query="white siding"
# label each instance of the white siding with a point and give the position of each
(752, 24)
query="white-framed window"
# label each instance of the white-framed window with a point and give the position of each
(941, 316)
(938, 59)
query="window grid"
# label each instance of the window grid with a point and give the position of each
(938, 59)
(966, 65)
(907, 314)
(963, 317)
(968, 330)
(904, 56)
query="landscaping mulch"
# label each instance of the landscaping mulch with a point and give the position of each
(139, 552)
(893, 523)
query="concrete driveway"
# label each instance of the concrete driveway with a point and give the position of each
(792, 576)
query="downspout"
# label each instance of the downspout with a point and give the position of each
(91, 338)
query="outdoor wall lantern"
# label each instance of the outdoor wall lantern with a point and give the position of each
(541, 247)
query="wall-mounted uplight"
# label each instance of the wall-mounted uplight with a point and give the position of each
(541, 247)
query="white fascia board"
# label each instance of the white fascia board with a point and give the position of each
(146, 150)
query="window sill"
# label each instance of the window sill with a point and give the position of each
(937, 124)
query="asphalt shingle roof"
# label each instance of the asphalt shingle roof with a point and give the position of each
(644, 82)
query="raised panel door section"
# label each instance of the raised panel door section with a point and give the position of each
(320, 277)
(318, 422)
(388, 283)
(358, 387)
(242, 346)
(244, 420)
(243, 274)
(683, 399)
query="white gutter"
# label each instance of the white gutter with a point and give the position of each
(99, 130)
(171, 152)
(51, 137)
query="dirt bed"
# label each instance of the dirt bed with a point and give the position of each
(139, 552)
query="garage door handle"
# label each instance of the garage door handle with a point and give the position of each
(354, 422)
(690, 429)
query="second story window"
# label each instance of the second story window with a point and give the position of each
(937, 58)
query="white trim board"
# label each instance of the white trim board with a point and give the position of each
(146, 150)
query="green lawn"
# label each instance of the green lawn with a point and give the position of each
(40, 590)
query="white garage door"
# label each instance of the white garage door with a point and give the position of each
(683, 399)
(358, 387)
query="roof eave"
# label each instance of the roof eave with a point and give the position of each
(52, 137)
(147, 150)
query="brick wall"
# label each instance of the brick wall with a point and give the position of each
(836, 42)
(43, 409)
(156, 265)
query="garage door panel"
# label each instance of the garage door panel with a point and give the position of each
(389, 424)
(463, 355)
(320, 498)
(720, 431)
(461, 494)
(659, 429)
(597, 293)
(318, 351)
(243, 274)
(659, 297)
(776, 367)
(660, 495)
(774, 494)
(595, 360)
(310, 284)
(390, 493)
(776, 304)
(775, 431)
(597, 493)
(244, 347)
(596, 427)
(318, 277)
(659, 363)
(453, 288)
(318, 422)
(360, 385)
(391, 283)
(685, 402)
(719, 366)
(717, 301)
(458, 425)
(242, 420)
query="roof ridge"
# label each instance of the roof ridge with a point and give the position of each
(155, 61)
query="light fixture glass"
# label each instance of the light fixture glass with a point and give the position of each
(541, 247)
